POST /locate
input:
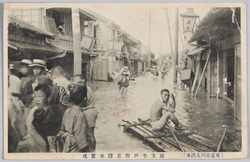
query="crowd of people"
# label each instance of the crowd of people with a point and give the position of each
(48, 111)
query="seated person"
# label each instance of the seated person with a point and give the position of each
(162, 111)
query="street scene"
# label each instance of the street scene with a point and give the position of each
(100, 79)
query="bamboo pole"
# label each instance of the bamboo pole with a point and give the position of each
(196, 76)
(203, 72)
(176, 139)
(222, 138)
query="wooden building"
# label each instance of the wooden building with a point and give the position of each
(217, 58)
(92, 45)
(76, 54)
(28, 41)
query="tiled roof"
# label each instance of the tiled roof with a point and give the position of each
(25, 25)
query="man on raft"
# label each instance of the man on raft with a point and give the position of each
(163, 110)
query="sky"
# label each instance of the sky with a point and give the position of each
(135, 21)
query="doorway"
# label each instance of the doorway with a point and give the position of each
(230, 74)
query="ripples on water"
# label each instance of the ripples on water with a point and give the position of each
(206, 115)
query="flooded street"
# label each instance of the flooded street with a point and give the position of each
(208, 116)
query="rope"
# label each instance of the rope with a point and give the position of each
(234, 19)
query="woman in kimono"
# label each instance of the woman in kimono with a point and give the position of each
(43, 120)
(74, 129)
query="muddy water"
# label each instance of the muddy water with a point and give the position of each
(208, 116)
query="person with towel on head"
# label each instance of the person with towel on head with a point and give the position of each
(89, 110)
(74, 128)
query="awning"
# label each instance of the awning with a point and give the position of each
(218, 23)
(196, 51)
(22, 45)
(13, 20)
(70, 48)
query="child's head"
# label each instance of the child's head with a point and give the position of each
(78, 94)
(41, 95)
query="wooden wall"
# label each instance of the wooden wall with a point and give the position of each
(101, 35)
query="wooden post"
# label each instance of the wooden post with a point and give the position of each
(196, 75)
(218, 73)
(76, 41)
(209, 52)
(176, 45)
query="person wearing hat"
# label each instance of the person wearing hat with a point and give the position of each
(39, 69)
(12, 69)
(24, 69)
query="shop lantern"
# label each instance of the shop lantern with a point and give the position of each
(189, 19)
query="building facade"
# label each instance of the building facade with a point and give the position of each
(217, 59)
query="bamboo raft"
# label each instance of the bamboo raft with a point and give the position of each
(171, 140)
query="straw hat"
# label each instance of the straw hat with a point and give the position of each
(38, 63)
(26, 61)
(11, 66)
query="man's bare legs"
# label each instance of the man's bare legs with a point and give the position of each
(158, 125)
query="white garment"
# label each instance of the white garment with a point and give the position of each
(15, 84)
(63, 82)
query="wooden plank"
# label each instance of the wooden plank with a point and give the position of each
(196, 76)
(171, 140)
(191, 139)
(154, 143)
(195, 94)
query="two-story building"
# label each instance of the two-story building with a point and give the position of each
(92, 45)
(64, 24)
(108, 46)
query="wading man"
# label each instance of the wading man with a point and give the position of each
(163, 110)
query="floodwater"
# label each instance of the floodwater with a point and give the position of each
(208, 116)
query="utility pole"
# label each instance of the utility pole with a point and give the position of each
(149, 37)
(76, 41)
(176, 45)
(160, 44)
(170, 37)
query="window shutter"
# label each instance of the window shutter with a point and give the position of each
(50, 25)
